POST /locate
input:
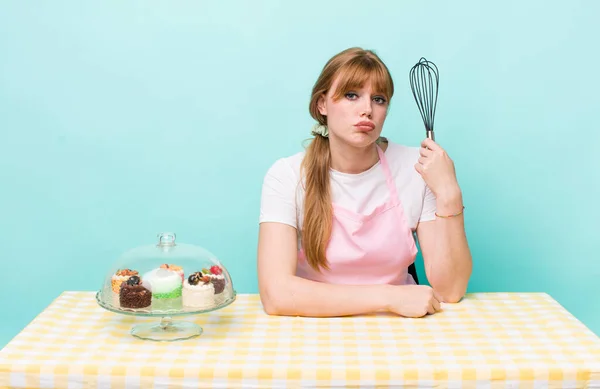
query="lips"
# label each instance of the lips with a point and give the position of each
(365, 126)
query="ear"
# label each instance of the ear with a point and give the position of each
(321, 105)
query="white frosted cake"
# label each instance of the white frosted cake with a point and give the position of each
(175, 268)
(198, 291)
(165, 284)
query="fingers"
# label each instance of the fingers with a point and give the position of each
(425, 152)
(431, 309)
(419, 168)
(434, 306)
(434, 303)
(431, 145)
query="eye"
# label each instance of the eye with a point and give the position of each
(351, 95)
(379, 100)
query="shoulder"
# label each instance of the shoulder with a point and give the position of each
(284, 174)
(286, 168)
(278, 199)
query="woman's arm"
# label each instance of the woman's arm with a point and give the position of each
(283, 293)
(443, 241)
(445, 250)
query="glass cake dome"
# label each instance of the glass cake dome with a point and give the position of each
(166, 279)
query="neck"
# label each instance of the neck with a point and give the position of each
(352, 160)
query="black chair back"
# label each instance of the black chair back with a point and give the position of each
(412, 270)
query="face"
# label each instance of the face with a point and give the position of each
(357, 118)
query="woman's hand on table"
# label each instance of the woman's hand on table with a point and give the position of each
(412, 300)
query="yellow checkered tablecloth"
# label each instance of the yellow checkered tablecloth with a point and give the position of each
(488, 340)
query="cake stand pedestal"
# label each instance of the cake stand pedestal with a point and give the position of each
(166, 330)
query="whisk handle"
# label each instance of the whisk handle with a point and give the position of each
(430, 135)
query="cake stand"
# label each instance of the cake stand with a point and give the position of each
(150, 273)
(166, 329)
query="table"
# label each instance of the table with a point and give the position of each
(490, 340)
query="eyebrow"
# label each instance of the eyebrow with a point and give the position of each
(380, 94)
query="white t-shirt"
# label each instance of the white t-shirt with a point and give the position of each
(283, 195)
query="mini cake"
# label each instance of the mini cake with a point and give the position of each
(165, 284)
(121, 276)
(133, 294)
(216, 277)
(175, 268)
(198, 291)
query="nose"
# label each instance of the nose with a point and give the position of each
(366, 108)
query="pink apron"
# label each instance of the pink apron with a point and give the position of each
(367, 249)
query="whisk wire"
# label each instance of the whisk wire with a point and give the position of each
(424, 82)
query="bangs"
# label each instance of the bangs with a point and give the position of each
(361, 70)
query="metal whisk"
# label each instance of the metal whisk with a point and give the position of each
(424, 83)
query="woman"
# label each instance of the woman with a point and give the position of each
(337, 221)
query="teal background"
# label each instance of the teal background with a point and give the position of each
(122, 119)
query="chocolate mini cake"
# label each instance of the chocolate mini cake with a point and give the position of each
(134, 295)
